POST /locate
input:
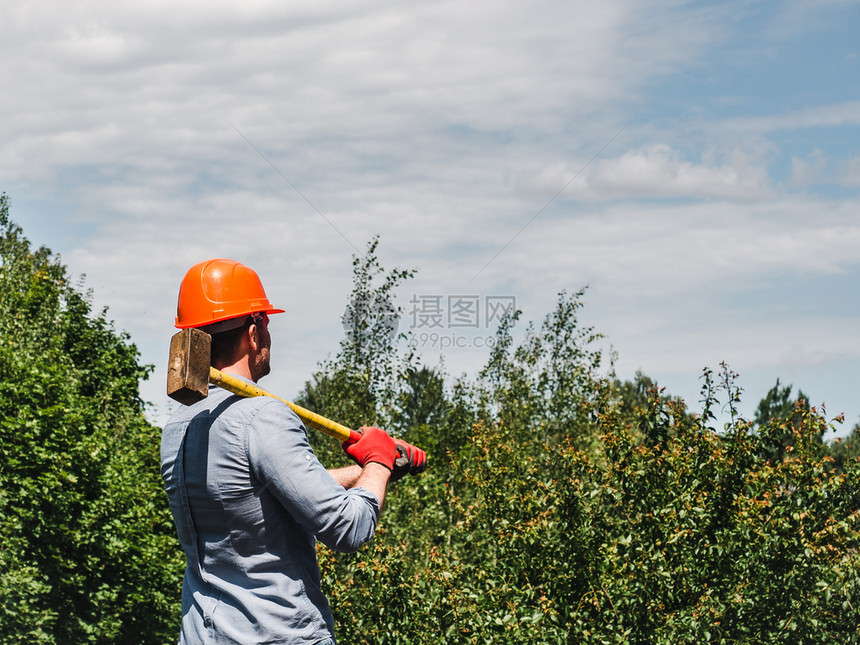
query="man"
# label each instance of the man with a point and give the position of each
(247, 493)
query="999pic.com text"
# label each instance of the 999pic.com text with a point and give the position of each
(452, 340)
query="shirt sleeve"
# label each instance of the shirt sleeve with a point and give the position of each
(284, 463)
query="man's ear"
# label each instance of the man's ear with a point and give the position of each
(253, 336)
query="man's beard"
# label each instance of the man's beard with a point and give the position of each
(261, 366)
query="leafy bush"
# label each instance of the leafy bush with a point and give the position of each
(562, 506)
(88, 549)
(682, 535)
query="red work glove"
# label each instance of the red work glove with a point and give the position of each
(374, 446)
(410, 460)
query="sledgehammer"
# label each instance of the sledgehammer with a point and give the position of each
(189, 375)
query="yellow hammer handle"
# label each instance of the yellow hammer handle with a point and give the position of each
(314, 420)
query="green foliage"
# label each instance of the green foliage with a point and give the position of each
(778, 403)
(632, 398)
(88, 550)
(561, 506)
(847, 449)
(422, 399)
(709, 541)
(545, 385)
(780, 410)
(682, 535)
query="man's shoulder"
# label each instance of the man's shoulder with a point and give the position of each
(268, 408)
(251, 410)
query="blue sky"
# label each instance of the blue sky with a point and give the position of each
(707, 152)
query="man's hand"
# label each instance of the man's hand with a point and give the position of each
(375, 446)
(410, 460)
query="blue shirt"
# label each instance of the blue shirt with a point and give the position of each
(249, 498)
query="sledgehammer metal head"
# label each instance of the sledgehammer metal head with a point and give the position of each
(188, 366)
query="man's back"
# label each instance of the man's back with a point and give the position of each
(248, 496)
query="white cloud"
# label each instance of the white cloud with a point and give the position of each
(849, 172)
(443, 126)
(136, 83)
(806, 172)
(660, 171)
(845, 113)
(670, 251)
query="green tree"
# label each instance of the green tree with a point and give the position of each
(778, 403)
(544, 386)
(422, 399)
(359, 386)
(786, 412)
(847, 449)
(88, 553)
(630, 399)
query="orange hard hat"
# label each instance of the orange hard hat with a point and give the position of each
(217, 290)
